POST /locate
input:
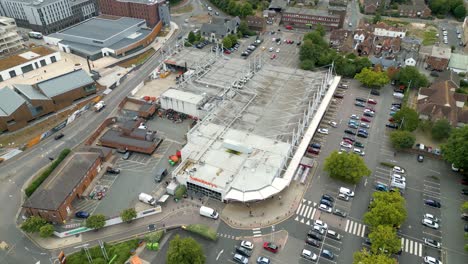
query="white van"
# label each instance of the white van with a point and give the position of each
(146, 198)
(209, 212)
(346, 191)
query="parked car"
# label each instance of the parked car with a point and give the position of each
(333, 234)
(343, 197)
(338, 95)
(365, 119)
(238, 258)
(358, 144)
(360, 99)
(263, 260)
(243, 251)
(347, 131)
(312, 242)
(364, 125)
(398, 169)
(323, 131)
(270, 246)
(432, 203)
(112, 170)
(352, 125)
(431, 242)
(431, 260)
(391, 125)
(326, 202)
(318, 229)
(82, 214)
(362, 135)
(375, 92)
(420, 158)
(371, 101)
(59, 136)
(349, 138)
(354, 117)
(464, 191)
(127, 155)
(307, 254)
(314, 235)
(316, 145)
(381, 187)
(328, 197)
(345, 145)
(369, 114)
(430, 223)
(340, 213)
(348, 141)
(333, 123)
(247, 244)
(327, 254)
(360, 104)
(325, 208)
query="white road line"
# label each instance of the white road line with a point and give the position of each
(313, 213)
(255, 229)
(309, 209)
(359, 230)
(411, 247)
(304, 208)
(310, 212)
(363, 231)
(420, 249)
(406, 246)
(257, 235)
(354, 228)
(402, 242)
(347, 223)
(299, 208)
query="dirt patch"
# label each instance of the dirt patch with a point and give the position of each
(183, 9)
(204, 18)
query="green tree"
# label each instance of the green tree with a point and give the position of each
(361, 63)
(456, 149)
(459, 12)
(245, 10)
(410, 74)
(402, 139)
(441, 129)
(371, 78)
(408, 118)
(464, 207)
(307, 65)
(387, 208)
(233, 39)
(46, 230)
(384, 240)
(95, 221)
(184, 251)
(316, 38)
(377, 18)
(191, 37)
(33, 224)
(227, 42)
(320, 29)
(309, 51)
(346, 166)
(439, 6)
(365, 257)
(128, 215)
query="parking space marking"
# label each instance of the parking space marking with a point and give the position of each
(434, 235)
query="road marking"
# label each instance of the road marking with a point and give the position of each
(363, 231)
(411, 246)
(347, 223)
(219, 254)
(359, 230)
(420, 249)
(299, 208)
(304, 207)
(310, 212)
(406, 247)
(354, 228)
(313, 213)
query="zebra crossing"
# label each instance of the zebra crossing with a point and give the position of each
(257, 232)
(306, 212)
(355, 228)
(412, 247)
(227, 236)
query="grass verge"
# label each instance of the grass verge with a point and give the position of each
(37, 182)
(137, 60)
(119, 252)
(429, 37)
(202, 230)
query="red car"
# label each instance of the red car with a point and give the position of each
(365, 119)
(348, 141)
(370, 109)
(371, 101)
(270, 247)
(273, 56)
(227, 51)
(464, 181)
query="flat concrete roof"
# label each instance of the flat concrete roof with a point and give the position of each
(187, 57)
(183, 96)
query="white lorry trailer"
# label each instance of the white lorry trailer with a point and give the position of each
(209, 212)
(146, 198)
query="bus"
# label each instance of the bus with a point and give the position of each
(36, 35)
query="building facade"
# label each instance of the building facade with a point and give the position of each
(48, 16)
(143, 9)
(10, 40)
(302, 17)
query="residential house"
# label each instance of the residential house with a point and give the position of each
(410, 58)
(458, 63)
(441, 52)
(416, 9)
(219, 28)
(256, 23)
(436, 63)
(441, 101)
(384, 62)
(371, 6)
(381, 29)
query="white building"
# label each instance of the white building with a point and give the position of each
(48, 16)
(383, 30)
(184, 102)
(10, 40)
(410, 62)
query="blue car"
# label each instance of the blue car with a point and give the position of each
(381, 187)
(363, 131)
(352, 125)
(82, 214)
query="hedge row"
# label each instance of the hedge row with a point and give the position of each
(155, 236)
(387, 164)
(37, 182)
(202, 230)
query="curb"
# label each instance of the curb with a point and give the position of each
(279, 220)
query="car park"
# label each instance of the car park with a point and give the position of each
(431, 242)
(430, 223)
(272, 247)
(243, 251)
(247, 244)
(327, 254)
(431, 260)
(340, 213)
(323, 131)
(347, 131)
(263, 260)
(432, 203)
(325, 208)
(307, 254)
(238, 258)
(315, 235)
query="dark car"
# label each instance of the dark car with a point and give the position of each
(82, 214)
(375, 92)
(352, 125)
(338, 95)
(349, 138)
(466, 227)
(316, 145)
(327, 254)
(127, 155)
(432, 203)
(326, 202)
(362, 135)
(358, 144)
(368, 114)
(464, 191)
(112, 170)
(243, 251)
(328, 197)
(381, 187)
(391, 125)
(347, 131)
(315, 235)
(313, 150)
(340, 213)
(365, 119)
(464, 181)
(59, 136)
(420, 158)
(359, 99)
(312, 242)
(367, 241)
(396, 104)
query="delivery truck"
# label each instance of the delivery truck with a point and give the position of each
(147, 199)
(99, 106)
(209, 212)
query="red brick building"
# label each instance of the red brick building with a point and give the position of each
(143, 9)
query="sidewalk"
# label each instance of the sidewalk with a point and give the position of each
(268, 212)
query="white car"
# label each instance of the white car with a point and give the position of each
(309, 255)
(323, 131)
(354, 117)
(343, 197)
(398, 169)
(319, 229)
(325, 208)
(431, 260)
(321, 223)
(399, 177)
(430, 223)
(358, 151)
(277, 50)
(431, 217)
(247, 244)
(431, 243)
(271, 49)
(445, 41)
(345, 145)
(459, 36)
(454, 168)
(444, 33)
(369, 111)
(333, 123)
(343, 150)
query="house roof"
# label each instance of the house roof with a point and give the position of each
(441, 101)
(220, 26)
(382, 61)
(459, 61)
(436, 63)
(9, 101)
(449, 76)
(64, 83)
(29, 91)
(278, 4)
(441, 52)
(60, 184)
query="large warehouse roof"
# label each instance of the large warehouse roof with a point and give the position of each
(65, 83)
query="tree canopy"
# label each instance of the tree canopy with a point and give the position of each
(371, 78)
(347, 167)
(456, 149)
(384, 240)
(33, 224)
(128, 215)
(408, 117)
(365, 257)
(411, 74)
(95, 221)
(185, 251)
(46, 230)
(441, 129)
(387, 208)
(402, 139)
(442, 7)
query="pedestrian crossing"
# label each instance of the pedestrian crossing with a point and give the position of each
(227, 236)
(412, 247)
(306, 212)
(257, 232)
(355, 228)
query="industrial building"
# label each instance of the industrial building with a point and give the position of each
(21, 104)
(304, 17)
(48, 16)
(258, 122)
(153, 11)
(104, 36)
(10, 40)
